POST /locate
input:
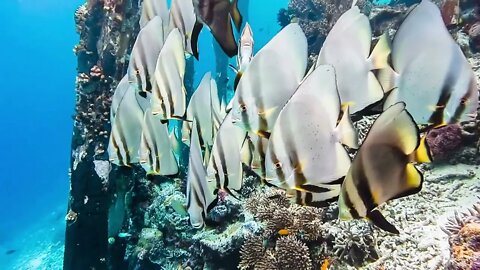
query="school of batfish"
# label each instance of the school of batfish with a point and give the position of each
(289, 125)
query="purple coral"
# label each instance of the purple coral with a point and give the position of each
(444, 140)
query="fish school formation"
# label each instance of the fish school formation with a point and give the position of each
(289, 125)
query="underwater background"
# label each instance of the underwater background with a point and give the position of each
(134, 221)
(36, 102)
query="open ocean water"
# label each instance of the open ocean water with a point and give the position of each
(37, 98)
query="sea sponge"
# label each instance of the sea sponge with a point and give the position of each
(444, 140)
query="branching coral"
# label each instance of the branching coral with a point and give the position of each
(292, 254)
(286, 223)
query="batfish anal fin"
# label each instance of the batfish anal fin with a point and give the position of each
(197, 28)
(379, 220)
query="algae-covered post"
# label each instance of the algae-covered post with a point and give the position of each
(105, 29)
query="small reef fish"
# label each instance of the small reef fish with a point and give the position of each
(10, 251)
(429, 71)
(217, 15)
(124, 235)
(182, 17)
(152, 8)
(124, 143)
(144, 55)
(277, 70)
(347, 49)
(156, 153)
(224, 168)
(199, 194)
(245, 53)
(168, 91)
(313, 160)
(383, 167)
(325, 264)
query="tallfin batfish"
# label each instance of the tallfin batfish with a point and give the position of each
(199, 194)
(245, 52)
(383, 168)
(271, 79)
(201, 109)
(305, 150)
(152, 8)
(168, 91)
(217, 15)
(156, 153)
(145, 51)
(182, 16)
(347, 48)
(225, 165)
(122, 88)
(126, 131)
(429, 71)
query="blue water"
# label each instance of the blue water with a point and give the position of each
(37, 78)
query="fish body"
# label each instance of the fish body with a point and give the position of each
(383, 168)
(168, 91)
(199, 194)
(429, 71)
(124, 142)
(152, 8)
(271, 79)
(203, 107)
(217, 15)
(347, 48)
(156, 152)
(307, 154)
(145, 51)
(224, 168)
(182, 17)
(245, 52)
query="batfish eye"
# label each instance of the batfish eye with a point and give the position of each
(243, 107)
(277, 165)
(137, 71)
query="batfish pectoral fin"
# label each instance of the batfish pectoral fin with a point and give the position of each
(197, 28)
(379, 220)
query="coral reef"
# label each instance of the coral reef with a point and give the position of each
(316, 17)
(464, 239)
(261, 229)
(308, 232)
